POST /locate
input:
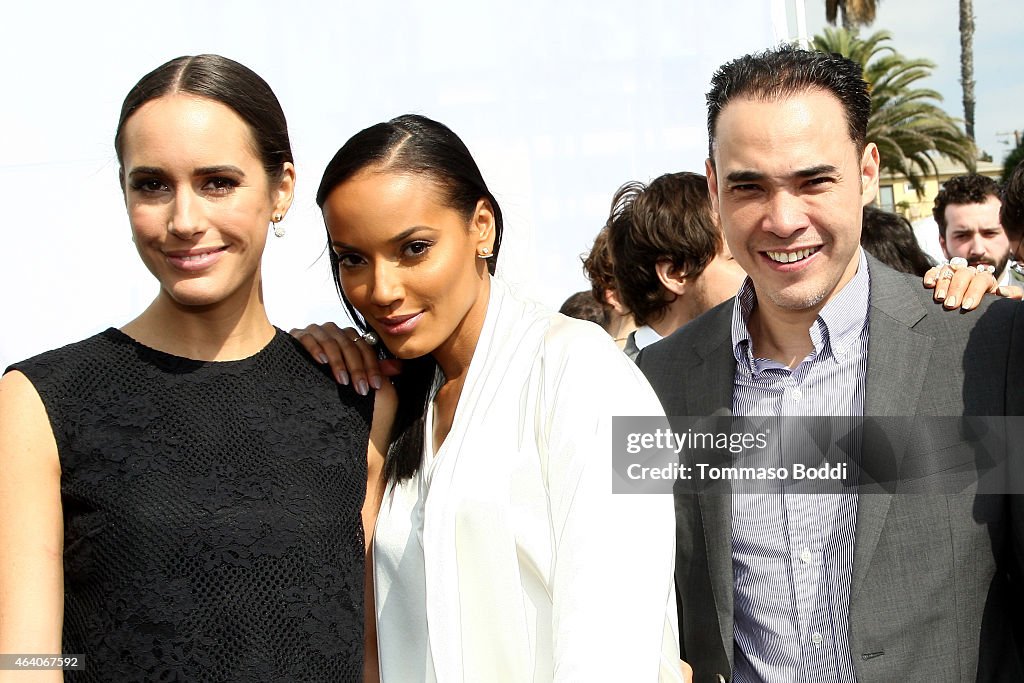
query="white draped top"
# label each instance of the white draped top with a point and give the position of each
(507, 557)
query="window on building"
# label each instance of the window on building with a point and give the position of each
(886, 200)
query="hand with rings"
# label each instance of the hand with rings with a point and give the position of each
(958, 283)
(351, 354)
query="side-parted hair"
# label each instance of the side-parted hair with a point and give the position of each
(671, 219)
(411, 144)
(970, 188)
(785, 71)
(1011, 213)
(222, 80)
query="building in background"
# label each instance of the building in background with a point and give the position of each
(895, 194)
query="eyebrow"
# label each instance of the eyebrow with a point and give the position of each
(820, 169)
(972, 230)
(744, 176)
(750, 176)
(144, 170)
(397, 238)
(202, 171)
(216, 170)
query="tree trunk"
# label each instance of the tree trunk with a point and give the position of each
(967, 63)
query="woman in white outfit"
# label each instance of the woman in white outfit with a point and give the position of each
(500, 553)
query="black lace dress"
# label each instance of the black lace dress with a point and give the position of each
(212, 524)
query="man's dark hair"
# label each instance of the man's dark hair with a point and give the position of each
(1011, 213)
(582, 306)
(891, 240)
(784, 71)
(597, 266)
(962, 189)
(671, 219)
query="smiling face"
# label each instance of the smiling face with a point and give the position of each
(408, 262)
(199, 200)
(973, 232)
(790, 185)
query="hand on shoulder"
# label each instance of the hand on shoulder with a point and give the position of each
(350, 355)
(957, 283)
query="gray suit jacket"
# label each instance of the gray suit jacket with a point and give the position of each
(936, 587)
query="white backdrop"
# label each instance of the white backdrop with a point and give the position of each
(560, 102)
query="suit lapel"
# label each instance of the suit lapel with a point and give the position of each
(896, 370)
(715, 374)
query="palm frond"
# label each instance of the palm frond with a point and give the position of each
(907, 122)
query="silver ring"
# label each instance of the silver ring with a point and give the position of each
(369, 337)
(958, 262)
(986, 268)
(946, 274)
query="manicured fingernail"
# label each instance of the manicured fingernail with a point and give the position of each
(1003, 291)
(930, 280)
(940, 294)
(375, 381)
(951, 301)
(968, 303)
(362, 387)
(343, 377)
(322, 358)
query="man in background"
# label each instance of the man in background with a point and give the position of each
(583, 306)
(1011, 216)
(669, 258)
(967, 213)
(598, 268)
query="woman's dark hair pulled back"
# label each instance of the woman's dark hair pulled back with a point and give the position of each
(222, 80)
(416, 145)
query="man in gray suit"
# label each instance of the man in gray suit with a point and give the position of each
(882, 587)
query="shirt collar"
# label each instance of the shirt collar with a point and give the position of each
(644, 336)
(834, 332)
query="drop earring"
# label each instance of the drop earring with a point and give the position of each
(278, 228)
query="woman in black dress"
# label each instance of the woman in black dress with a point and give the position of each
(181, 498)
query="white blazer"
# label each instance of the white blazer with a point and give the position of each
(507, 557)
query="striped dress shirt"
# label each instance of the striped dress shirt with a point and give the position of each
(792, 553)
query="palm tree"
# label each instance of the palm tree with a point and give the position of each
(906, 121)
(854, 13)
(967, 62)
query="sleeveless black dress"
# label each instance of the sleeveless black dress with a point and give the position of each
(212, 525)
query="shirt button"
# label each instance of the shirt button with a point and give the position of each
(816, 638)
(797, 394)
(806, 555)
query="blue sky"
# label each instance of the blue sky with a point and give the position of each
(931, 30)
